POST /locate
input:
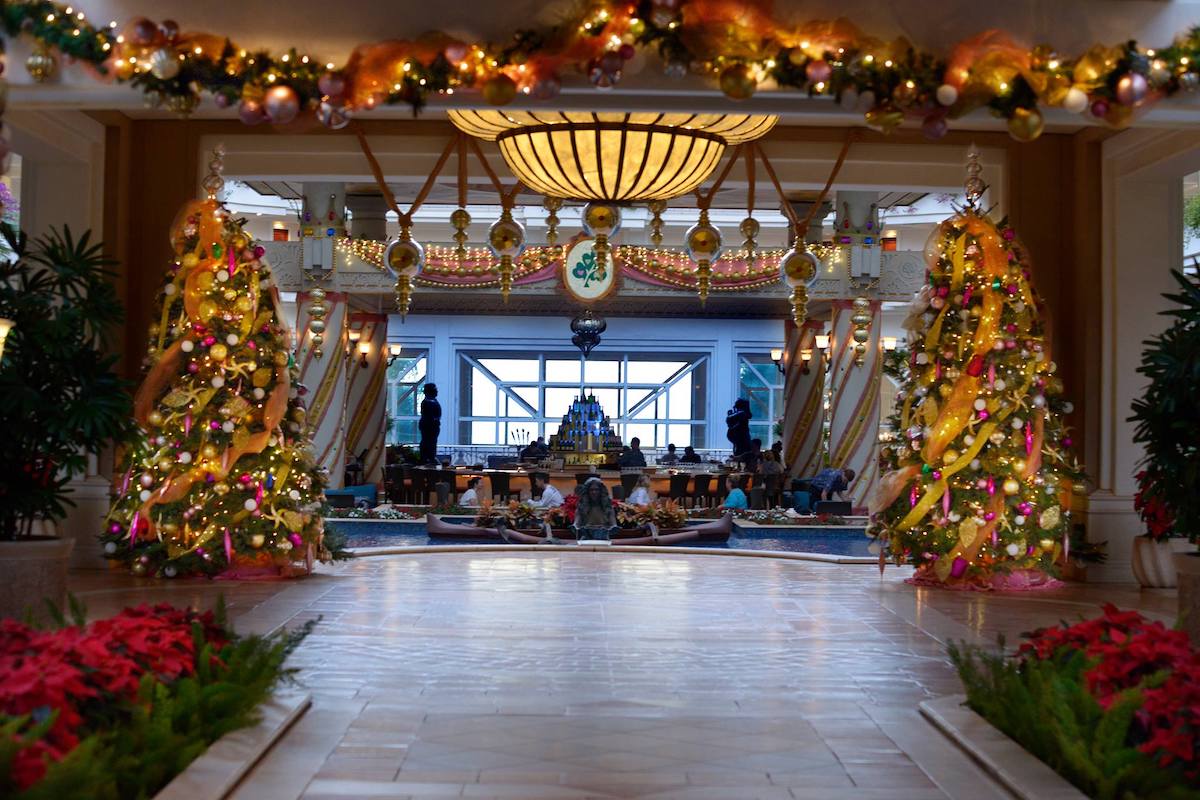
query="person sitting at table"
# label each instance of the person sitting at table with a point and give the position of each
(690, 456)
(770, 466)
(670, 457)
(594, 516)
(736, 499)
(470, 498)
(641, 494)
(543, 494)
(830, 482)
(535, 450)
(633, 457)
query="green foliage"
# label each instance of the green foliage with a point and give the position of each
(60, 397)
(335, 543)
(1191, 215)
(1166, 412)
(1045, 706)
(155, 739)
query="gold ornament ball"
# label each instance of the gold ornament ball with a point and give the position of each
(600, 218)
(208, 451)
(317, 294)
(749, 228)
(230, 294)
(460, 219)
(257, 540)
(737, 82)
(207, 309)
(138, 569)
(1026, 124)
(166, 464)
(1011, 486)
(221, 488)
(949, 457)
(244, 304)
(317, 326)
(189, 260)
(205, 281)
(218, 351)
(240, 242)
(500, 90)
(405, 257)
(1019, 465)
(861, 335)
(797, 267)
(1047, 545)
(155, 418)
(41, 65)
(281, 359)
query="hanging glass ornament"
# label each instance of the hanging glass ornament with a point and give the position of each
(657, 207)
(861, 333)
(601, 220)
(461, 220)
(552, 205)
(405, 257)
(798, 268)
(703, 246)
(316, 325)
(506, 238)
(749, 229)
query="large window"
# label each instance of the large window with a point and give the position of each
(405, 378)
(508, 398)
(761, 382)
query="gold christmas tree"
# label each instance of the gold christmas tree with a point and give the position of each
(220, 476)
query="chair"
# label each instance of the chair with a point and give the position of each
(450, 478)
(618, 494)
(418, 488)
(339, 500)
(393, 481)
(758, 498)
(629, 482)
(702, 492)
(773, 485)
(678, 491)
(498, 483)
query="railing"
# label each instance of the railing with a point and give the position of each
(469, 454)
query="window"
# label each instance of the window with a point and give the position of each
(10, 197)
(760, 382)
(510, 398)
(1191, 222)
(405, 379)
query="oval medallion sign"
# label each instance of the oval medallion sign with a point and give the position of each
(582, 276)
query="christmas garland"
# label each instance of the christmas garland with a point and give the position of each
(740, 44)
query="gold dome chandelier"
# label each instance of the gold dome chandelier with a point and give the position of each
(611, 156)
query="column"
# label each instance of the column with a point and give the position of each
(368, 216)
(366, 401)
(803, 401)
(854, 401)
(323, 382)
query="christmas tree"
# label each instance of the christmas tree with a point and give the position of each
(977, 483)
(219, 476)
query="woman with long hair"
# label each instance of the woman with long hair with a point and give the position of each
(595, 517)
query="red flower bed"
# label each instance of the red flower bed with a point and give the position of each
(1126, 651)
(81, 672)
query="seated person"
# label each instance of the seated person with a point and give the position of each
(690, 456)
(769, 465)
(470, 498)
(752, 457)
(535, 450)
(641, 494)
(543, 494)
(830, 482)
(736, 499)
(594, 516)
(670, 457)
(633, 457)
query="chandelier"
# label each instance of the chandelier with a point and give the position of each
(617, 157)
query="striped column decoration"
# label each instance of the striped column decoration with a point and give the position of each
(325, 381)
(366, 401)
(803, 402)
(854, 401)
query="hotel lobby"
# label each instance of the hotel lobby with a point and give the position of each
(659, 399)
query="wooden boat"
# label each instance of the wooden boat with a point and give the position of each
(714, 531)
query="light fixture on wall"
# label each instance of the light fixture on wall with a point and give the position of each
(822, 341)
(394, 350)
(777, 357)
(614, 156)
(889, 343)
(364, 350)
(6, 325)
(805, 360)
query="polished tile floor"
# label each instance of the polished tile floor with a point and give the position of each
(608, 675)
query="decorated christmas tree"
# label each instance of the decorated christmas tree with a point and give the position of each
(976, 486)
(219, 477)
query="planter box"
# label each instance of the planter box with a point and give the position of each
(33, 571)
(1153, 563)
(1187, 566)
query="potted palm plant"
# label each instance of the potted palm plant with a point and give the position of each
(1166, 427)
(60, 399)
(1153, 560)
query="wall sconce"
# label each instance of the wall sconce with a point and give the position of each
(889, 343)
(364, 350)
(6, 325)
(777, 357)
(822, 341)
(353, 335)
(888, 241)
(394, 350)
(806, 359)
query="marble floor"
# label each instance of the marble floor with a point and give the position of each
(611, 675)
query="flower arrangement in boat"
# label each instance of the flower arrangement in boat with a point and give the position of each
(665, 515)
(562, 516)
(513, 515)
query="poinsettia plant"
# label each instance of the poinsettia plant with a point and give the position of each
(513, 514)
(1160, 522)
(562, 516)
(665, 515)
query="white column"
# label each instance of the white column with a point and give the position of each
(854, 401)
(368, 216)
(804, 402)
(366, 401)
(324, 382)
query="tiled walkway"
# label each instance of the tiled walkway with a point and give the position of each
(531, 675)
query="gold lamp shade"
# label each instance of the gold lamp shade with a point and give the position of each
(618, 157)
